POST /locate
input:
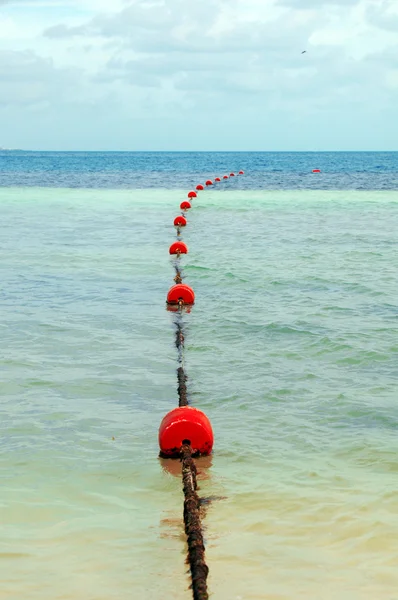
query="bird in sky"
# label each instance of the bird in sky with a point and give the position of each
(304, 52)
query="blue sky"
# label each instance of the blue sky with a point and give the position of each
(205, 75)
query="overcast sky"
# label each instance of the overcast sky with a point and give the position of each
(199, 74)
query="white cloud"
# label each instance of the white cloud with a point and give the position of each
(315, 4)
(169, 58)
(383, 15)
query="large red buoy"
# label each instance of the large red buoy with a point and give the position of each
(192, 195)
(183, 425)
(209, 182)
(178, 248)
(185, 205)
(181, 293)
(217, 179)
(232, 174)
(225, 177)
(200, 187)
(180, 221)
(241, 172)
(316, 170)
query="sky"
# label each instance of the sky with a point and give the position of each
(199, 75)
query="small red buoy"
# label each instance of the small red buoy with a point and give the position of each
(241, 172)
(217, 179)
(225, 177)
(316, 170)
(185, 424)
(178, 248)
(180, 221)
(232, 174)
(200, 187)
(192, 195)
(209, 182)
(185, 205)
(181, 292)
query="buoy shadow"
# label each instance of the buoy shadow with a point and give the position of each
(173, 466)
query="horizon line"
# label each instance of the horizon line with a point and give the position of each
(202, 151)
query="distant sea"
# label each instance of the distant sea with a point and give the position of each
(172, 170)
(291, 350)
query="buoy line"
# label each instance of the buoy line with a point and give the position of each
(186, 432)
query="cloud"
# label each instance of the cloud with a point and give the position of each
(63, 31)
(143, 22)
(251, 47)
(41, 3)
(27, 79)
(167, 28)
(384, 15)
(314, 4)
(169, 59)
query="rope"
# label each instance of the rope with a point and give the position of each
(182, 387)
(192, 503)
(179, 336)
(193, 527)
(181, 375)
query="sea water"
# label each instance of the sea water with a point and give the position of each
(291, 350)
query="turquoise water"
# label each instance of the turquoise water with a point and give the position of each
(291, 350)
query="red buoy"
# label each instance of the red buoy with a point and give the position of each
(200, 187)
(181, 293)
(185, 424)
(180, 221)
(185, 205)
(241, 172)
(217, 179)
(316, 170)
(225, 177)
(232, 174)
(192, 195)
(209, 182)
(178, 248)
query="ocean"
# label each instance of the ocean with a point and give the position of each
(291, 350)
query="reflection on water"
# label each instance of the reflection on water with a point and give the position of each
(173, 466)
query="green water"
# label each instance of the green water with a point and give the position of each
(291, 350)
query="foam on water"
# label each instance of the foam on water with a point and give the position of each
(291, 350)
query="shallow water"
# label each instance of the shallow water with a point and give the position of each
(291, 350)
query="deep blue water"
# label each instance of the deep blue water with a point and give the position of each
(268, 170)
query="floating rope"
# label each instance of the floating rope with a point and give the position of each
(179, 273)
(182, 387)
(193, 527)
(181, 375)
(196, 425)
